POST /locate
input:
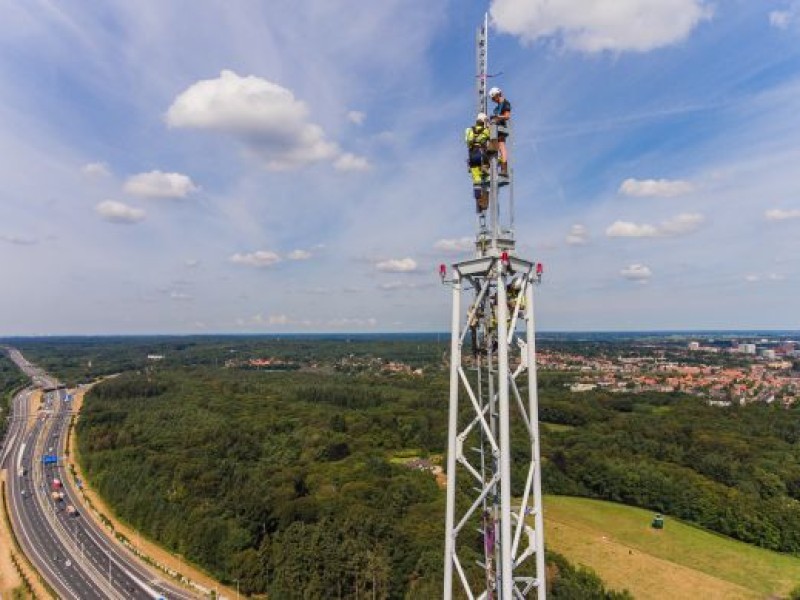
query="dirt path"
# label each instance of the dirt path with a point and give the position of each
(167, 562)
(9, 578)
(12, 562)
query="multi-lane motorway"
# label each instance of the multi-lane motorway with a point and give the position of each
(71, 551)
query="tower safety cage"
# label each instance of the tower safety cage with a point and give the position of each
(494, 533)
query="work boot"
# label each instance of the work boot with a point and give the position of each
(483, 201)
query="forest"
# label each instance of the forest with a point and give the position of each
(11, 380)
(284, 481)
(288, 480)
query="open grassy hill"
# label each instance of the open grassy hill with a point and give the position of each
(680, 561)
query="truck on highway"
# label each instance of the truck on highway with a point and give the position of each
(72, 511)
(56, 485)
(57, 496)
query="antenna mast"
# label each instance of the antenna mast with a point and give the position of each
(493, 395)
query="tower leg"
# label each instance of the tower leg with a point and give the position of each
(506, 541)
(533, 416)
(455, 363)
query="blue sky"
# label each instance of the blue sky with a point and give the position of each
(193, 167)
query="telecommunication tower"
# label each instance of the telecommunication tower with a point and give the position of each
(494, 538)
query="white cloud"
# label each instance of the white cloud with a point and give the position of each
(271, 320)
(156, 184)
(182, 296)
(299, 255)
(777, 214)
(455, 246)
(628, 229)
(755, 278)
(356, 116)
(259, 258)
(400, 285)
(265, 116)
(636, 272)
(638, 25)
(96, 169)
(397, 265)
(353, 322)
(578, 235)
(191, 263)
(782, 19)
(351, 162)
(118, 212)
(18, 240)
(683, 224)
(664, 188)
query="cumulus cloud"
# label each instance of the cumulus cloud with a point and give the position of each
(455, 246)
(263, 115)
(578, 235)
(259, 258)
(664, 188)
(637, 25)
(777, 214)
(156, 184)
(18, 240)
(119, 212)
(356, 116)
(782, 19)
(299, 255)
(397, 265)
(96, 169)
(629, 229)
(351, 162)
(636, 272)
(683, 224)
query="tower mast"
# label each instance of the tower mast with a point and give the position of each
(493, 396)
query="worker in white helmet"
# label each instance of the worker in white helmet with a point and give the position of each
(476, 138)
(501, 117)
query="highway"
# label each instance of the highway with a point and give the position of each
(72, 552)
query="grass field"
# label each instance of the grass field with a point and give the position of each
(680, 561)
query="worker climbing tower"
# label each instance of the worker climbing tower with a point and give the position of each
(494, 539)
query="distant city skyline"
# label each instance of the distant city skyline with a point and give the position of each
(195, 168)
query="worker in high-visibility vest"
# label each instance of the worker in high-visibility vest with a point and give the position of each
(476, 138)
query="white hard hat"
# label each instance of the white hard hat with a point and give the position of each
(481, 118)
(495, 91)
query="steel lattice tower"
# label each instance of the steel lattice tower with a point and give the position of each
(493, 393)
